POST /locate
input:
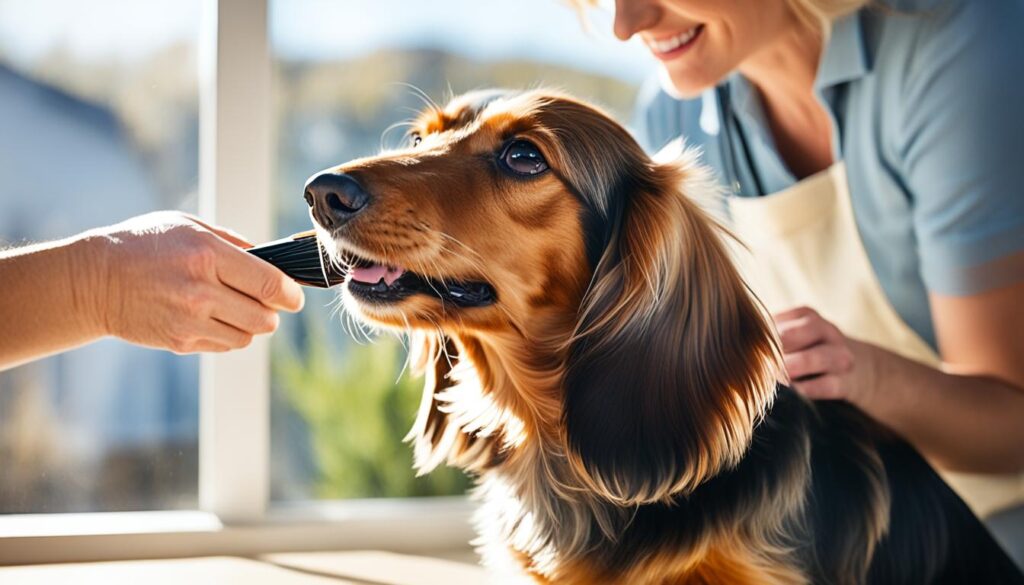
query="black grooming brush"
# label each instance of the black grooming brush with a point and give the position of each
(301, 257)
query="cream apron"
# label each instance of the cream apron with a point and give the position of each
(804, 249)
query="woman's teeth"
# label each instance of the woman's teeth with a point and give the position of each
(671, 44)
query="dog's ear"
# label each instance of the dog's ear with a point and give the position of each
(436, 437)
(673, 360)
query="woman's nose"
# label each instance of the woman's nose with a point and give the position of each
(633, 16)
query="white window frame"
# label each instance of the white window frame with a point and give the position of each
(235, 514)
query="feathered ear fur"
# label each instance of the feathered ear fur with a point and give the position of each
(673, 360)
(436, 436)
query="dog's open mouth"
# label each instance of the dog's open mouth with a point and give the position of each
(381, 284)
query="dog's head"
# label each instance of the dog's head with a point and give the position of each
(472, 224)
(535, 215)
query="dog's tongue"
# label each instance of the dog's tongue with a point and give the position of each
(373, 274)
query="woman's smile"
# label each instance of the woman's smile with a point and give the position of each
(670, 47)
(700, 42)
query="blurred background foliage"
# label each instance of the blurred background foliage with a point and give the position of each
(357, 408)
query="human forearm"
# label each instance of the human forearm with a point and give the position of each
(163, 280)
(967, 422)
(48, 303)
(960, 422)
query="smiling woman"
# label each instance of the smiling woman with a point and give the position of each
(867, 150)
(734, 32)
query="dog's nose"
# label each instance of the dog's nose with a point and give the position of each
(335, 198)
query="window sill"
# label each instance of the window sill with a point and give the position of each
(364, 567)
(419, 526)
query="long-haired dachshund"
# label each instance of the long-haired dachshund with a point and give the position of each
(594, 359)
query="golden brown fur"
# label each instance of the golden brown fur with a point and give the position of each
(495, 376)
(610, 399)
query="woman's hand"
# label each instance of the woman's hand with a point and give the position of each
(820, 361)
(169, 281)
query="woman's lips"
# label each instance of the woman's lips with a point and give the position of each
(668, 48)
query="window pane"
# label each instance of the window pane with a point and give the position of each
(99, 110)
(345, 72)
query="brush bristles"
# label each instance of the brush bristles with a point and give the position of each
(302, 259)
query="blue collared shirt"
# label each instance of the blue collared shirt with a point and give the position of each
(927, 106)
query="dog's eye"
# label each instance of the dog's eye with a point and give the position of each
(415, 139)
(523, 158)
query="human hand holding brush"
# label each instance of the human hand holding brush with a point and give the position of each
(164, 280)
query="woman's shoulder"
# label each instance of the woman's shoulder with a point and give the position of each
(929, 58)
(947, 83)
(927, 34)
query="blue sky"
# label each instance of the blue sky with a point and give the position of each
(545, 30)
(94, 29)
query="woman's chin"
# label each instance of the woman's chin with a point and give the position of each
(686, 85)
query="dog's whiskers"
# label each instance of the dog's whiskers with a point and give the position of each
(422, 95)
(442, 346)
(339, 310)
(475, 264)
(409, 123)
(452, 238)
(357, 330)
(402, 339)
(479, 267)
(437, 272)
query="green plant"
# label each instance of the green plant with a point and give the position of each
(358, 409)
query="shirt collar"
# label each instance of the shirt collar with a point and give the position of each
(846, 56)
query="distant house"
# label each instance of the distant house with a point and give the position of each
(67, 166)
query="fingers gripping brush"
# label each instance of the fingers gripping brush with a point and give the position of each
(301, 257)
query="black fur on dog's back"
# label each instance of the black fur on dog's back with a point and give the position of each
(874, 510)
(931, 536)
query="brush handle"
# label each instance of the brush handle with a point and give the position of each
(300, 257)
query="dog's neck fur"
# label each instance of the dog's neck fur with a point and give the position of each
(532, 501)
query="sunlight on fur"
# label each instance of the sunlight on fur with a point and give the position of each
(592, 356)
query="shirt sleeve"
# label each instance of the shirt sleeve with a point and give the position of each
(962, 145)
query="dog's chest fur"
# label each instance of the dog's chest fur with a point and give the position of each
(533, 515)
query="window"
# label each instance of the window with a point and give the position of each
(276, 447)
(100, 123)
